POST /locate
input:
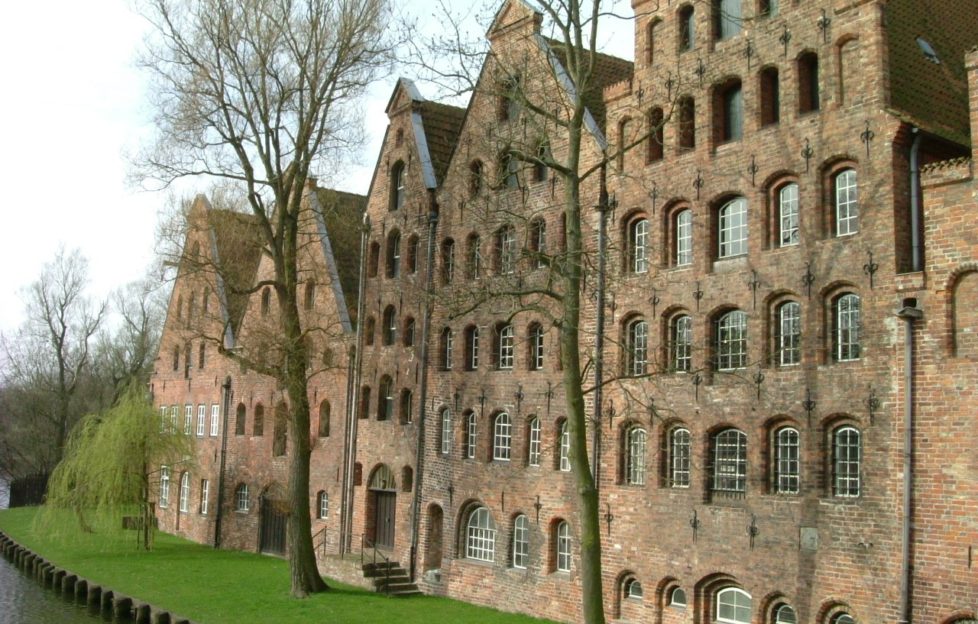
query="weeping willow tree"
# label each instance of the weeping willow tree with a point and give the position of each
(112, 464)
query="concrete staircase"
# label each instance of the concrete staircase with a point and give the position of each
(390, 578)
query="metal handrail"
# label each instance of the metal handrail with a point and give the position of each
(322, 532)
(364, 542)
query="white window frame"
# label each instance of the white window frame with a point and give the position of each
(684, 237)
(471, 435)
(730, 462)
(731, 606)
(731, 341)
(846, 192)
(638, 347)
(846, 462)
(521, 542)
(507, 347)
(201, 420)
(682, 343)
(733, 228)
(241, 500)
(502, 437)
(636, 446)
(449, 341)
(788, 232)
(638, 241)
(163, 418)
(205, 492)
(322, 505)
(847, 312)
(533, 446)
(680, 447)
(446, 431)
(184, 492)
(677, 598)
(633, 589)
(188, 419)
(538, 229)
(164, 486)
(536, 347)
(785, 614)
(789, 334)
(174, 418)
(480, 536)
(508, 252)
(787, 461)
(215, 419)
(564, 448)
(474, 348)
(563, 547)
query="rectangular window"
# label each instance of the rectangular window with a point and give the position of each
(730, 462)
(682, 344)
(789, 334)
(684, 238)
(679, 456)
(188, 420)
(733, 228)
(788, 464)
(521, 542)
(788, 215)
(205, 489)
(726, 18)
(164, 486)
(733, 114)
(201, 420)
(533, 450)
(215, 415)
(565, 465)
(174, 417)
(506, 347)
(163, 419)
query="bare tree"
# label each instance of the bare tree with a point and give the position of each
(260, 94)
(47, 364)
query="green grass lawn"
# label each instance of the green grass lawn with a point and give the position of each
(214, 586)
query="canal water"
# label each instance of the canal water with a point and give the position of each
(24, 601)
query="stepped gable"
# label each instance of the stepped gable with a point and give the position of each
(342, 215)
(237, 253)
(931, 95)
(442, 125)
(608, 70)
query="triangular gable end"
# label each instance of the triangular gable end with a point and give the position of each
(334, 276)
(513, 15)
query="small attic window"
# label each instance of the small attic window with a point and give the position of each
(929, 53)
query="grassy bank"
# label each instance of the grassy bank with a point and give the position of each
(215, 586)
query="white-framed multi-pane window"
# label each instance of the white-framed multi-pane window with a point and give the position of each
(787, 461)
(681, 343)
(174, 418)
(201, 420)
(163, 418)
(502, 437)
(188, 419)
(448, 346)
(563, 547)
(684, 237)
(733, 606)
(521, 541)
(636, 347)
(788, 215)
(680, 445)
(508, 252)
(846, 202)
(731, 341)
(784, 614)
(471, 435)
(536, 347)
(185, 492)
(733, 228)
(563, 448)
(164, 486)
(242, 502)
(446, 431)
(846, 312)
(472, 348)
(322, 505)
(846, 460)
(480, 536)
(533, 444)
(215, 419)
(205, 494)
(507, 347)
(788, 336)
(730, 462)
(632, 588)
(635, 459)
(638, 241)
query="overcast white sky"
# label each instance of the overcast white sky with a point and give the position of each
(74, 104)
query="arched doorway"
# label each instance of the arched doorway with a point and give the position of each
(382, 496)
(273, 510)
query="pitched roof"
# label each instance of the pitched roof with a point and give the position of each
(442, 125)
(608, 70)
(931, 95)
(342, 215)
(238, 251)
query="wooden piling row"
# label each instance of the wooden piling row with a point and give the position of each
(121, 608)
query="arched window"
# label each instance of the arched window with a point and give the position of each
(472, 347)
(502, 437)
(731, 341)
(533, 442)
(397, 186)
(164, 486)
(784, 614)
(563, 546)
(787, 461)
(322, 505)
(845, 191)
(538, 242)
(389, 327)
(242, 502)
(846, 461)
(726, 18)
(635, 456)
(447, 261)
(733, 606)
(475, 178)
(258, 426)
(408, 336)
(266, 300)
(638, 240)
(368, 331)
(656, 136)
(808, 90)
(505, 351)
(506, 251)
(787, 336)
(239, 420)
(471, 435)
(480, 536)
(845, 327)
(767, 8)
(394, 254)
(681, 343)
(687, 28)
(687, 120)
(447, 345)
(682, 237)
(730, 462)
(636, 347)
(185, 492)
(407, 407)
(787, 211)
(679, 447)
(521, 542)
(563, 447)
(446, 431)
(732, 228)
(385, 406)
(677, 598)
(770, 95)
(411, 259)
(843, 618)
(324, 419)
(535, 343)
(473, 256)
(309, 300)
(729, 101)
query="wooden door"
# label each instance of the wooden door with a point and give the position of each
(384, 519)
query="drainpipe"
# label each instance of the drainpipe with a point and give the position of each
(909, 313)
(353, 398)
(218, 516)
(915, 243)
(423, 382)
(603, 206)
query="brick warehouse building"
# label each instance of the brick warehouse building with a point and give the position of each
(788, 250)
